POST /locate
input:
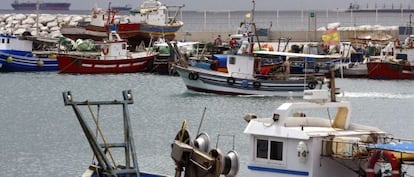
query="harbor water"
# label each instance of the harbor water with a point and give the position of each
(42, 137)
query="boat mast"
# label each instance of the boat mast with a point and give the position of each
(253, 25)
(37, 17)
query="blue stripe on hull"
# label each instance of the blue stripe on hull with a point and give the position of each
(277, 170)
(17, 52)
(20, 64)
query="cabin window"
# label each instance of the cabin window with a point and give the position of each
(269, 149)
(276, 149)
(2, 40)
(124, 46)
(232, 60)
(8, 40)
(262, 149)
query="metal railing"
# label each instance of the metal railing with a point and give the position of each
(278, 20)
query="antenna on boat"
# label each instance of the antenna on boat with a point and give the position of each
(201, 121)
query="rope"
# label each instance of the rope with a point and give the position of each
(75, 60)
(101, 134)
(96, 131)
(329, 116)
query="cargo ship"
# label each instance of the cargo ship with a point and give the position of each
(42, 6)
(122, 8)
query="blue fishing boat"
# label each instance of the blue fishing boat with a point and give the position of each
(106, 162)
(16, 54)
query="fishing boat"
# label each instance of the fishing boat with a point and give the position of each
(316, 137)
(395, 66)
(108, 156)
(27, 5)
(167, 53)
(16, 54)
(388, 70)
(147, 23)
(249, 73)
(114, 57)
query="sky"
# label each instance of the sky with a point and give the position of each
(223, 5)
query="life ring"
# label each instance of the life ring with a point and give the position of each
(105, 50)
(193, 76)
(302, 151)
(257, 84)
(233, 43)
(388, 156)
(231, 80)
(267, 47)
(397, 43)
(312, 84)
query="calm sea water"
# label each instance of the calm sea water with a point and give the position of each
(41, 137)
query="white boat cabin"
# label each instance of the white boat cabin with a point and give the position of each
(114, 48)
(151, 12)
(302, 139)
(101, 17)
(15, 44)
(248, 67)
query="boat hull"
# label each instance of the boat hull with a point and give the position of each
(126, 174)
(79, 65)
(358, 71)
(17, 63)
(209, 81)
(389, 71)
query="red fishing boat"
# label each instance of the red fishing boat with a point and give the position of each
(114, 57)
(381, 69)
(147, 23)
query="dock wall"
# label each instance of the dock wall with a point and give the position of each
(296, 36)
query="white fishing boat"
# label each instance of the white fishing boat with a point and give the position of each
(313, 137)
(250, 74)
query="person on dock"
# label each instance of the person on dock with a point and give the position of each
(218, 42)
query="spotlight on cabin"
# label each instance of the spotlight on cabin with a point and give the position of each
(249, 116)
(202, 142)
(275, 117)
